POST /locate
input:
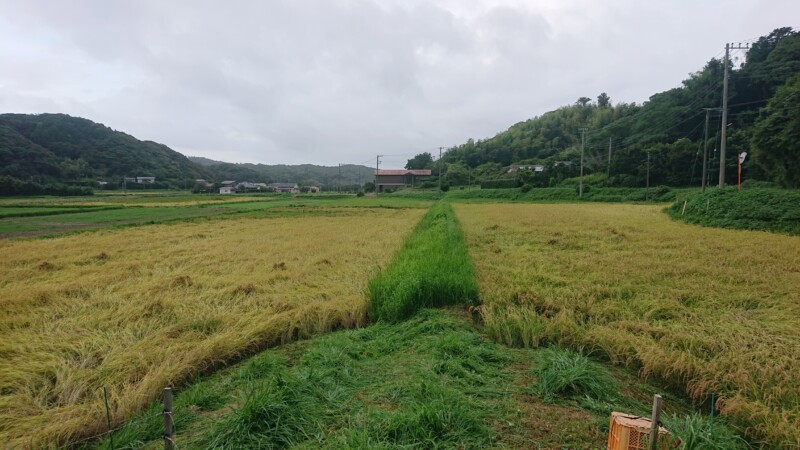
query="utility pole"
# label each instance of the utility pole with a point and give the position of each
(339, 184)
(583, 147)
(705, 151)
(608, 175)
(440, 168)
(377, 164)
(728, 48)
(647, 189)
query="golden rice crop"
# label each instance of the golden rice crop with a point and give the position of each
(709, 310)
(139, 309)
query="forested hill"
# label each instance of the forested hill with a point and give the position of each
(764, 120)
(51, 148)
(330, 177)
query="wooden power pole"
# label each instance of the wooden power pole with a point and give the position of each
(583, 147)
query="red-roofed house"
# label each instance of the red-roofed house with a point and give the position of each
(394, 179)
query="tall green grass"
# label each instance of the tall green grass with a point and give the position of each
(774, 210)
(431, 269)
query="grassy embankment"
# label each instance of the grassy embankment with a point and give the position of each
(774, 210)
(706, 310)
(138, 309)
(431, 269)
(548, 195)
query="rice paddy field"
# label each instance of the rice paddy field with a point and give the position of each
(705, 310)
(550, 316)
(133, 310)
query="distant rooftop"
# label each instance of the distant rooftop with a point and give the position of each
(402, 172)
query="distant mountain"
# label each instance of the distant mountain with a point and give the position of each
(329, 177)
(59, 148)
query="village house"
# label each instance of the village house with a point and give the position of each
(227, 190)
(538, 168)
(292, 188)
(394, 179)
(313, 189)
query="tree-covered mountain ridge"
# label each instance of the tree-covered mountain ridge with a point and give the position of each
(668, 129)
(345, 176)
(52, 148)
(39, 150)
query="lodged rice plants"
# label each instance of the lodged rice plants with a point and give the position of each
(710, 311)
(139, 309)
(431, 269)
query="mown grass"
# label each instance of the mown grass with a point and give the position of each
(709, 311)
(775, 210)
(432, 381)
(137, 309)
(431, 269)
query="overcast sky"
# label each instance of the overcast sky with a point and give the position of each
(330, 81)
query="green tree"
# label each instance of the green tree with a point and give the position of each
(420, 161)
(583, 101)
(456, 175)
(776, 136)
(603, 100)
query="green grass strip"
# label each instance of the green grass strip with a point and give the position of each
(431, 269)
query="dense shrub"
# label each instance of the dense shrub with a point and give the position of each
(13, 187)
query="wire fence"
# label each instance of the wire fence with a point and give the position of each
(169, 427)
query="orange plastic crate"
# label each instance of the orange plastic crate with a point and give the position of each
(629, 432)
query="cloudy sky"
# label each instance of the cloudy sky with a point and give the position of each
(338, 81)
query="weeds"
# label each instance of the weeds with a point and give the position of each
(698, 432)
(563, 373)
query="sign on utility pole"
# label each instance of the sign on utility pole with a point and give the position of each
(742, 156)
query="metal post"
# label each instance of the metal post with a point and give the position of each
(168, 445)
(608, 174)
(108, 418)
(647, 190)
(654, 422)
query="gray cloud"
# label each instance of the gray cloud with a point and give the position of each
(339, 81)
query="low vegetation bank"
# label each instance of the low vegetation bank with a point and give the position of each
(776, 210)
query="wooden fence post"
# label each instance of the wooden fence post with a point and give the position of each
(654, 421)
(168, 419)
